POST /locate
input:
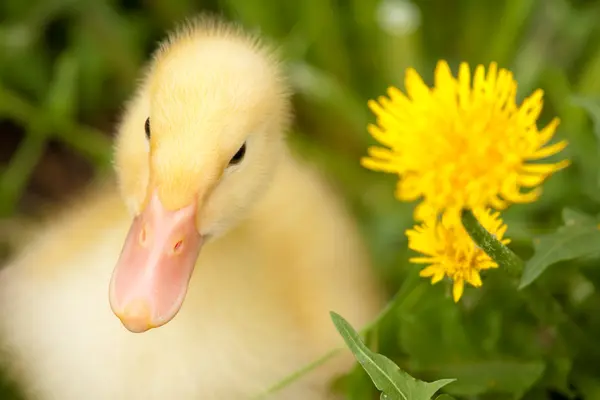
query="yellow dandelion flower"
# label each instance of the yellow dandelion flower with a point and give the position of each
(451, 252)
(462, 144)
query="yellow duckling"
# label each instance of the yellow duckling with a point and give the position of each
(236, 253)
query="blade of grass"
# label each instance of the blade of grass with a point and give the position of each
(16, 175)
(515, 16)
(90, 142)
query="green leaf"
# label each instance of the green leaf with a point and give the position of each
(394, 383)
(444, 397)
(579, 237)
(574, 217)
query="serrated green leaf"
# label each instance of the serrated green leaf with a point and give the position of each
(579, 237)
(394, 383)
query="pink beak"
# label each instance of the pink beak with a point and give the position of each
(150, 280)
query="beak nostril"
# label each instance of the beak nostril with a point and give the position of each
(143, 235)
(178, 246)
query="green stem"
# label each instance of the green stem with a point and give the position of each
(491, 245)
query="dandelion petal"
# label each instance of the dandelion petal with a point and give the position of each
(458, 289)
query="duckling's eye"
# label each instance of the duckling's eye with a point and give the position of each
(239, 155)
(147, 127)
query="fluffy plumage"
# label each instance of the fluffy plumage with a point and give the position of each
(281, 250)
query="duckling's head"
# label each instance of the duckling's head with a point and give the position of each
(196, 148)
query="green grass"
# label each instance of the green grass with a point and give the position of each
(66, 66)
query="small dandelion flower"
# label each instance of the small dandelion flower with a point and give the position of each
(462, 144)
(451, 252)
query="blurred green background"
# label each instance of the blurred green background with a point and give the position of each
(66, 67)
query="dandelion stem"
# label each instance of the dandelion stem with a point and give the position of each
(501, 254)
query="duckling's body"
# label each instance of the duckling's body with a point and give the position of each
(257, 306)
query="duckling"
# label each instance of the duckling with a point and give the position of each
(208, 268)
